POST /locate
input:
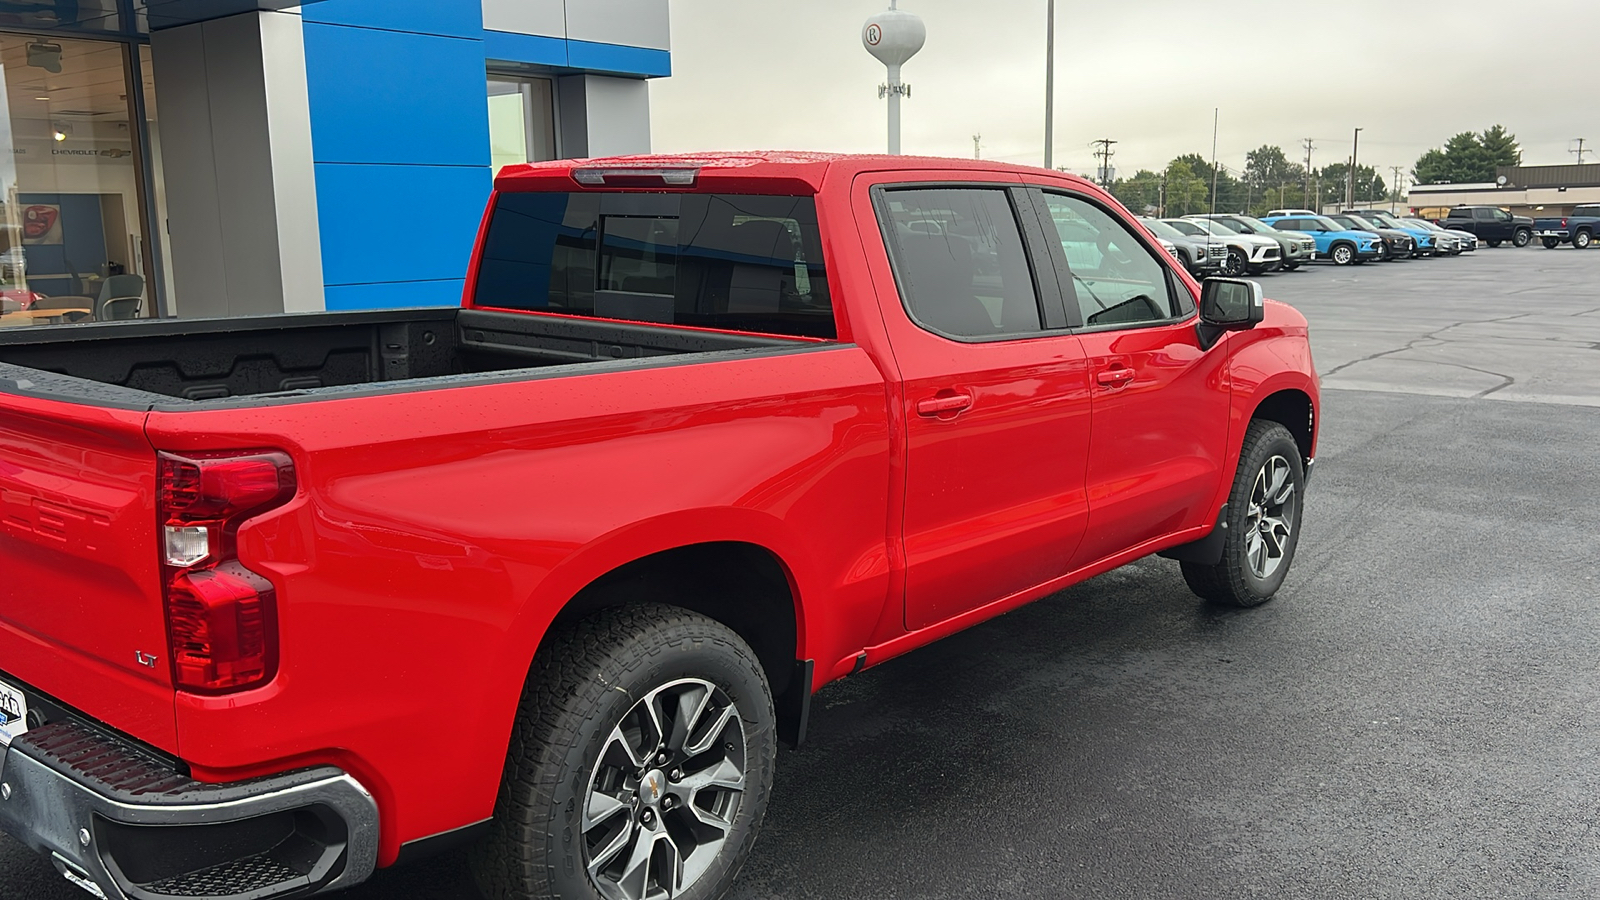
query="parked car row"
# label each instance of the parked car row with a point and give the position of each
(1233, 245)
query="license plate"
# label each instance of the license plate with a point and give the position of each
(14, 711)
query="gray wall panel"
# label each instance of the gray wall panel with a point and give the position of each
(636, 23)
(236, 147)
(547, 18)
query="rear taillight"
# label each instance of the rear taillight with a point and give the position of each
(1563, 223)
(221, 617)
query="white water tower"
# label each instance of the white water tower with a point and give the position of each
(894, 37)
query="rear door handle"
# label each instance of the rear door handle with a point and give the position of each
(937, 406)
(1114, 377)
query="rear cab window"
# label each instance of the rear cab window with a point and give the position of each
(731, 262)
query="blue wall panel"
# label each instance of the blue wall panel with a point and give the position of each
(395, 296)
(618, 58)
(390, 97)
(458, 18)
(398, 223)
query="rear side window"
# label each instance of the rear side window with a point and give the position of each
(1587, 211)
(960, 261)
(728, 261)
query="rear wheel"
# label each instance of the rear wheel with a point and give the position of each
(1581, 240)
(1552, 243)
(1342, 254)
(640, 763)
(1263, 522)
(1521, 237)
(1493, 243)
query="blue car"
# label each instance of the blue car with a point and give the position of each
(1342, 245)
(1427, 239)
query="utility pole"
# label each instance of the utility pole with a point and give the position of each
(1398, 180)
(1309, 147)
(1350, 178)
(977, 142)
(1104, 154)
(1216, 119)
(1580, 151)
(1049, 83)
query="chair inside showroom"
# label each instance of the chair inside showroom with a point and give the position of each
(121, 297)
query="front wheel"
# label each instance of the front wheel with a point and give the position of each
(640, 763)
(1521, 237)
(1342, 255)
(1552, 243)
(1235, 265)
(1290, 267)
(1263, 522)
(1582, 240)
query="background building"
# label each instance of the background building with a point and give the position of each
(257, 156)
(1523, 190)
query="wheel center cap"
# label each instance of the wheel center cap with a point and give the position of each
(652, 786)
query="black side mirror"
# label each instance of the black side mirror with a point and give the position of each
(1229, 304)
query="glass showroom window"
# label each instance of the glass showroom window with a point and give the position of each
(72, 241)
(522, 120)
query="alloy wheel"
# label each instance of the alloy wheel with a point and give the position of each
(1581, 240)
(1341, 255)
(1236, 264)
(1269, 519)
(665, 792)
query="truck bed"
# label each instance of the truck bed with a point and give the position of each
(306, 356)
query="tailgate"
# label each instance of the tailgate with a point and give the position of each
(81, 614)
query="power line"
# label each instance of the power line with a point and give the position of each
(1104, 154)
(1580, 151)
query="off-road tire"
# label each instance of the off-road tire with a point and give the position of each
(1581, 239)
(1232, 582)
(585, 678)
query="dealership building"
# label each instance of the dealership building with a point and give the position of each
(1523, 190)
(237, 157)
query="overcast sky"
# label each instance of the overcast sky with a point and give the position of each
(757, 74)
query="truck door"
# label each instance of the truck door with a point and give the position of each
(1161, 402)
(995, 394)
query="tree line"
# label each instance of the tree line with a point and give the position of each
(1270, 180)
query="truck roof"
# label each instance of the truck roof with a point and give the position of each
(803, 170)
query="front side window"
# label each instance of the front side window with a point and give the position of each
(727, 261)
(960, 261)
(1116, 279)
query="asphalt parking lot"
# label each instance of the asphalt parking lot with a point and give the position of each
(1416, 715)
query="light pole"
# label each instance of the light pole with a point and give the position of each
(1350, 181)
(1050, 84)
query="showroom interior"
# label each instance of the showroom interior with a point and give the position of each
(202, 158)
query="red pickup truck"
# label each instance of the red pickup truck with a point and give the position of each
(287, 599)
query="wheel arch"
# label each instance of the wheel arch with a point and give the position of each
(1294, 410)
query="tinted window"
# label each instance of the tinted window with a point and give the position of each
(1117, 281)
(728, 261)
(1486, 215)
(960, 261)
(1587, 211)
